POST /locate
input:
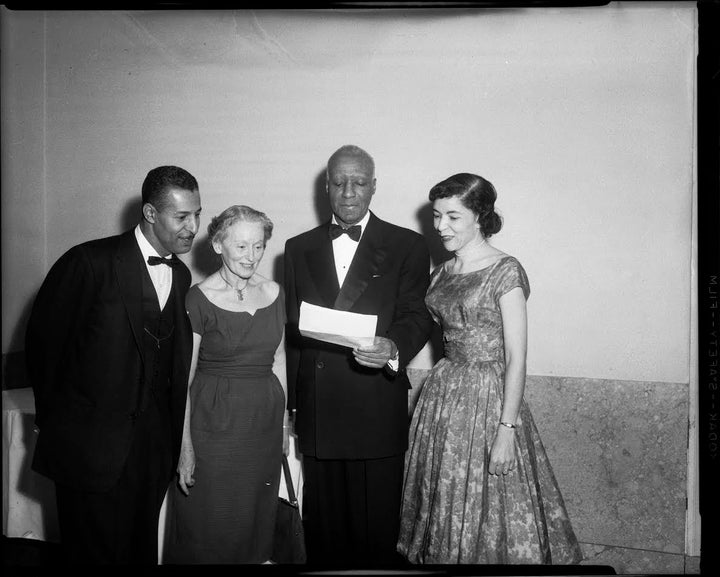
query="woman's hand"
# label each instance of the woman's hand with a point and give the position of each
(502, 454)
(186, 467)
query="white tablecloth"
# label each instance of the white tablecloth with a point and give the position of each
(29, 508)
(28, 498)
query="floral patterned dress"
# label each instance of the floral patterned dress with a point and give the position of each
(453, 510)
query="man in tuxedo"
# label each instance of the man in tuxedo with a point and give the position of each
(108, 350)
(351, 404)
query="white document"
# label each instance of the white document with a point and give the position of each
(338, 327)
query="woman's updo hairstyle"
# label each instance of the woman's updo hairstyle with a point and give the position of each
(476, 194)
(217, 229)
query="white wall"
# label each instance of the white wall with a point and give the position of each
(22, 186)
(581, 117)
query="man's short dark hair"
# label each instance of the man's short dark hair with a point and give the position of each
(160, 180)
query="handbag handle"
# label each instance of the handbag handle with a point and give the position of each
(288, 481)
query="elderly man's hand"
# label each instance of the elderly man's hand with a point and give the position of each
(377, 355)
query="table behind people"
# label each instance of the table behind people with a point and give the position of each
(29, 509)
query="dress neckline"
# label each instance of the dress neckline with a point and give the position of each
(488, 267)
(252, 314)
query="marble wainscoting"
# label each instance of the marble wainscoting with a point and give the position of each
(619, 452)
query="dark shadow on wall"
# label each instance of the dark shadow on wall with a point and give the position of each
(131, 214)
(278, 269)
(17, 340)
(202, 256)
(320, 200)
(438, 255)
(322, 214)
(14, 375)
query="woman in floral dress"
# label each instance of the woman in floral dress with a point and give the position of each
(478, 484)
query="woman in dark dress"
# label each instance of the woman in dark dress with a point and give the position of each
(478, 485)
(236, 429)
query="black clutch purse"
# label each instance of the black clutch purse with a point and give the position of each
(289, 544)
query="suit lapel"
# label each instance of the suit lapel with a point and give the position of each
(182, 340)
(321, 266)
(128, 269)
(177, 300)
(367, 260)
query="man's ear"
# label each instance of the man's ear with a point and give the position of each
(149, 213)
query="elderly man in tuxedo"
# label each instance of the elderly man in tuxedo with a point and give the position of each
(108, 350)
(351, 404)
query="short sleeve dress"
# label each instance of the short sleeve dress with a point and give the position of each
(236, 426)
(453, 510)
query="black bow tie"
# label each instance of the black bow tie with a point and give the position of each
(353, 232)
(155, 260)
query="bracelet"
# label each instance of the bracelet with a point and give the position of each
(508, 425)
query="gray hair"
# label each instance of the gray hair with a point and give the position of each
(217, 229)
(351, 150)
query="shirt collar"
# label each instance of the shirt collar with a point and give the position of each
(363, 222)
(145, 247)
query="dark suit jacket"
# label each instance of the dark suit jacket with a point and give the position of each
(84, 359)
(344, 410)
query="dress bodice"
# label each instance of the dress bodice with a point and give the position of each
(467, 307)
(235, 343)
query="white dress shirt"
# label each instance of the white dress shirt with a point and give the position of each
(160, 274)
(344, 249)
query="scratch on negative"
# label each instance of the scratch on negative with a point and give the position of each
(269, 39)
(153, 40)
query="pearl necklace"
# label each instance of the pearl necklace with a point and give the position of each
(238, 291)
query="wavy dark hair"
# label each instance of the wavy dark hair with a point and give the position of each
(476, 194)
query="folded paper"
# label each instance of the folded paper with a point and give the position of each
(337, 327)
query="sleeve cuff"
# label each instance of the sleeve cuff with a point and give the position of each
(394, 363)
